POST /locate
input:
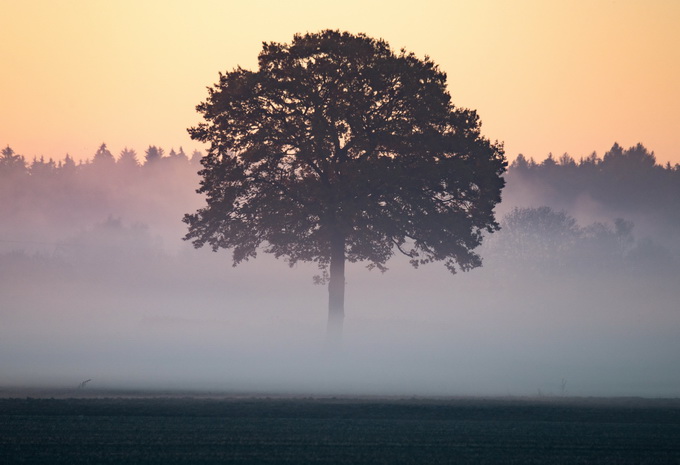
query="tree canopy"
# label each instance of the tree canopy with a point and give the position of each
(337, 148)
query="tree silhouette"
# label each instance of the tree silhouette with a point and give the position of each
(68, 165)
(153, 155)
(196, 156)
(103, 157)
(337, 149)
(12, 163)
(128, 159)
(43, 169)
(178, 156)
(630, 178)
(636, 157)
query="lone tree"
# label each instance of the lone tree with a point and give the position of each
(338, 149)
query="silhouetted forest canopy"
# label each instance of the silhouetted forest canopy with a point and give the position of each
(47, 201)
(619, 210)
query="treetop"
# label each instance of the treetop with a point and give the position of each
(337, 134)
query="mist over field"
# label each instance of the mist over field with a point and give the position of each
(578, 294)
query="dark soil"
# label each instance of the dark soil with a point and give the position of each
(201, 429)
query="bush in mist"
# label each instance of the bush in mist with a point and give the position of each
(548, 240)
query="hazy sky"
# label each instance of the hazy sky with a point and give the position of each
(546, 76)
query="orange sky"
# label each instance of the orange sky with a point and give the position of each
(545, 76)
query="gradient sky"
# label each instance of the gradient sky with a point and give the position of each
(545, 76)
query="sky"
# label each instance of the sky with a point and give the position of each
(545, 77)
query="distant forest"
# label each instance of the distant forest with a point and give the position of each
(617, 212)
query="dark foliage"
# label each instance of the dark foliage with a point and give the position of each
(336, 139)
(625, 183)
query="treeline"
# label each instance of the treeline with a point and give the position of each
(49, 202)
(12, 163)
(623, 183)
(621, 211)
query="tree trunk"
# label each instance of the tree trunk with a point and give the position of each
(336, 290)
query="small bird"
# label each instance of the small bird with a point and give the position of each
(82, 385)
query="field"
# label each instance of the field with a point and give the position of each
(167, 428)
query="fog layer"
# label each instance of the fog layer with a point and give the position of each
(578, 294)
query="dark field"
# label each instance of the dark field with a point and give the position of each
(200, 429)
